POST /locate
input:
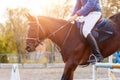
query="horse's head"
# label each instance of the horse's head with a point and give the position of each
(35, 33)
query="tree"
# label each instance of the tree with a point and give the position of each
(17, 24)
(5, 40)
(110, 7)
(62, 9)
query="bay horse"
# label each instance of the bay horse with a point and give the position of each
(66, 35)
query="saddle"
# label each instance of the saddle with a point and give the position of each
(102, 31)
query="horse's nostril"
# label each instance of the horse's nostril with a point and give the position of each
(27, 48)
(30, 48)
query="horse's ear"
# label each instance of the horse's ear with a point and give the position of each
(29, 16)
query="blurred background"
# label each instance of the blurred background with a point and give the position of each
(13, 27)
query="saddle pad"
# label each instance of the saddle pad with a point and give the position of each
(102, 23)
(104, 32)
(101, 31)
(78, 24)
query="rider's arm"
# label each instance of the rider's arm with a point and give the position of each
(88, 7)
(78, 6)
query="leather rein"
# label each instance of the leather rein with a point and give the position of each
(53, 33)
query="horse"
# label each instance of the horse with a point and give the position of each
(74, 50)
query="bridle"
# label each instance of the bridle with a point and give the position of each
(39, 26)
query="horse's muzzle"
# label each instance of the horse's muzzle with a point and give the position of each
(30, 48)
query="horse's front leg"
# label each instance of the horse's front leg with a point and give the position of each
(69, 69)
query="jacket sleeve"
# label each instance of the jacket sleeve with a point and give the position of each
(78, 6)
(87, 8)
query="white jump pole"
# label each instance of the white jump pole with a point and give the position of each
(110, 74)
(107, 65)
(94, 73)
(104, 65)
(111, 68)
(15, 72)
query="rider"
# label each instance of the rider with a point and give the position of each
(91, 12)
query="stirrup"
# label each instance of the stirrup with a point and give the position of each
(92, 56)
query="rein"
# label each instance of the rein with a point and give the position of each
(67, 34)
(60, 29)
(53, 33)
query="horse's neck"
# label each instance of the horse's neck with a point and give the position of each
(52, 29)
(57, 34)
(67, 36)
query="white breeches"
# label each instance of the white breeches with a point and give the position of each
(90, 21)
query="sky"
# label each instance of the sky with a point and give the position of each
(32, 5)
(4, 4)
(35, 6)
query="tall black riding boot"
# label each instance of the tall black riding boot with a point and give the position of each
(95, 50)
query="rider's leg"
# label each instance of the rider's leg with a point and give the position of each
(94, 48)
(90, 21)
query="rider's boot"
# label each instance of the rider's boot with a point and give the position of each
(95, 50)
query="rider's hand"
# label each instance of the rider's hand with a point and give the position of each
(73, 18)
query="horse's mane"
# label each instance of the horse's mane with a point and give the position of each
(52, 19)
